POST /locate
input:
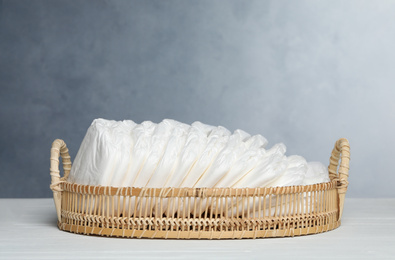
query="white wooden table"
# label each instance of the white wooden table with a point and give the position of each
(28, 231)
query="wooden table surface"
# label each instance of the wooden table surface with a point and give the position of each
(28, 231)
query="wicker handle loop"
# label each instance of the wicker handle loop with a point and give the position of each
(337, 172)
(59, 148)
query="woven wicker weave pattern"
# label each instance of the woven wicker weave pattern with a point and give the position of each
(207, 213)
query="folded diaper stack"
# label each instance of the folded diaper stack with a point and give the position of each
(174, 154)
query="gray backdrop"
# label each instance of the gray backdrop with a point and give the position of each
(300, 72)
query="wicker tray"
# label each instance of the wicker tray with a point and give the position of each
(252, 212)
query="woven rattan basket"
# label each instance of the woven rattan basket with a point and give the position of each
(225, 212)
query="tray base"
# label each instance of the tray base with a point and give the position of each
(202, 234)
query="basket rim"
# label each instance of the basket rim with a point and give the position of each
(193, 192)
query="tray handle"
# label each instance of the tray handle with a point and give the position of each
(59, 148)
(341, 152)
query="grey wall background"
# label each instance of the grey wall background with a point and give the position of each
(300, 72)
